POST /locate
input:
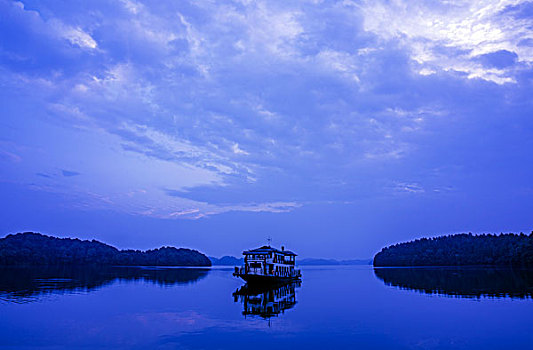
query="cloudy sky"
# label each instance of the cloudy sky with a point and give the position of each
(335, 127)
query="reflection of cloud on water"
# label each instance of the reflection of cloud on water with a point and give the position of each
(192, 330)
(184, 321)
(192, 322)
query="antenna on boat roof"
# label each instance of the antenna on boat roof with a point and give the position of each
(269, 240)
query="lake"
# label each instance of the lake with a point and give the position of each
(334, 307)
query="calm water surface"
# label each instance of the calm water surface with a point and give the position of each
(334, 307)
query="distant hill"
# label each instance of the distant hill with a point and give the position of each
(31, 248)
(315, 261)
(460, 250)
(227, 261)
(233, 261)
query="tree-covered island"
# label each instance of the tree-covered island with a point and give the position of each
(31, 248)
(461, 250)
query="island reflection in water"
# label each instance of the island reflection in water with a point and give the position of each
(462, 282)
(266, 301)
(27, 284)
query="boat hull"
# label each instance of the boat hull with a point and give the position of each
(265, 280)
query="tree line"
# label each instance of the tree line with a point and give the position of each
(461, 250)
(31, 248)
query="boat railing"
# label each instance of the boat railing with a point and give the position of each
(261, 272)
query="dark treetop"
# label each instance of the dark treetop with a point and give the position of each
(30, 248)
(461, 249)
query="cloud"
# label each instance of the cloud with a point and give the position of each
(12, 157)
(35, 25)
(260, 106)
(452, 36)
(408, 187)
(69, 173)
(43, 175)
(197, 213)
(75, 35)
(236, 149)
(155, 204)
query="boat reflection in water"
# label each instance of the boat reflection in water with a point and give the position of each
(461, 282)
(266, 301)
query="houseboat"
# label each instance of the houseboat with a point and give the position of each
(268, 265)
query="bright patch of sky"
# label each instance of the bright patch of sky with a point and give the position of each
(315, 121)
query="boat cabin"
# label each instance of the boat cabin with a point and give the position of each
(269, 261)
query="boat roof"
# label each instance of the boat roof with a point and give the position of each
(267, 249)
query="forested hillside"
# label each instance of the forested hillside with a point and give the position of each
(461, 249)
(30, 248)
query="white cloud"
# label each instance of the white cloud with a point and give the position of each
(407, 187)
(78, 37)
(262, 27)
(209, 210)
(54, 27)
(450, 36)
(237, 150)
(341, 62)
(132, 6)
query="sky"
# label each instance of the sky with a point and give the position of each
(334, 127)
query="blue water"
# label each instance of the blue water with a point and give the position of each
(335, 307)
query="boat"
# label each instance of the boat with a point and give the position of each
(268, 265)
